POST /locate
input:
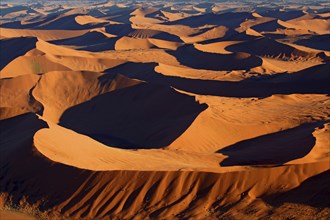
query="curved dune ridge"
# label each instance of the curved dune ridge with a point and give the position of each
(164, 110)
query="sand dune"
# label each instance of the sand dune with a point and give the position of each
(95, 156)
(19, 46)
(276, 65)
(87, 19)
(83, 60)
(269, 48)
(174, 16)
(218, 47)
(94, 41)
(226, 19)
(15, 96)
(174, 29)
(127, 43)
(320, 42)
(299, 147)
(282, 14)
(226, 129)
(31, 65)
(42, 34)
(320, 26)
(15, 215)
(149, 187)
(234, 61)
(88, 80)
(213, 33)
(140, 33)
(268, 26)
(164, 110)
(257, 20)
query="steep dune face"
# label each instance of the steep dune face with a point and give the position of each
(282, 15)
(15, 96)
(141, 33)
(227, 129)
(42, 34)
(150, 194)
(146, 39)
(164, 110)
(267, 26)
(218, 47)
(87, 19)
(66, 22)
(107, 124)
(319, 42)
(19, 46)
(213, 33)
(91, 37)
(320, 26)
(99, 61)
(225, 19)
(296, 142)
(72, 88)
(211, 61)
(164, 116)
(127, 43)
(68, 147)
(269, 48)
(79, 60)
(31, 65)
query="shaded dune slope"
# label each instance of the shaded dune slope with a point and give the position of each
(299, 82)
(164, 116)
(190, 56)
(296, 142)
(167, 114)
(150, 194)
(19, 46)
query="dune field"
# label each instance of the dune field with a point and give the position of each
(164, 110)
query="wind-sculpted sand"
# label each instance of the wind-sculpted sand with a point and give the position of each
(164, 110)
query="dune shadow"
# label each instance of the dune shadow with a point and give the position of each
(99, 47)
(17, 47)
(228, 19)
(268, 26)
(53, 21)
(92, 41)
(141, 71)
(231, 35)
(276, 148)
(140, 116)
(67, 23)
(283, 15)
(319, 42)
(266, 47)
(313, 80)
(275, 36)
(119, 29)
(154, 34)
(22, 166)
(26, 125)
(314, 191)
(189, 56)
